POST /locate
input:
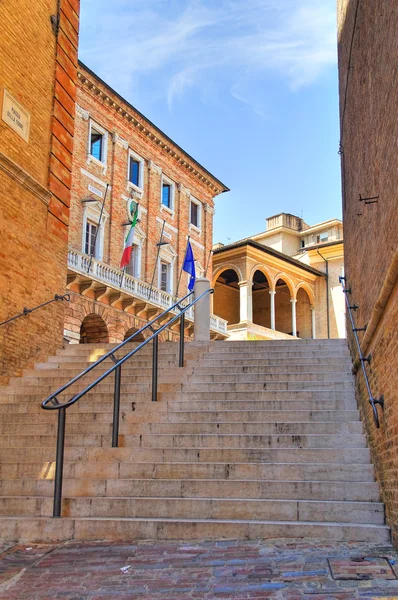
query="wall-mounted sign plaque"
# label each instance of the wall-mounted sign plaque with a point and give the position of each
(15, 115)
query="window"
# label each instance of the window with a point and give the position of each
(302, 244)
(97, 142)
(164, 276)
(323, 237)
(167, 197)
(93, 229)
(132, 268)
(135, 170)
(91, 239)
(195, 213)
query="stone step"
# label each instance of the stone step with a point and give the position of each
(198, 455)
(198, 508)
(128, 407)
(294, 355)
(364, 491)
(273, 369)
(187, 470)
(279, 385)
(42, 529)
(190, 440)
(339, 362)
(263, 416)
(190, 427)
(278, 380)
(266, 404)
(140, 375)
(324, 417)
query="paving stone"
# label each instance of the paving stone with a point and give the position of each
(238, 570)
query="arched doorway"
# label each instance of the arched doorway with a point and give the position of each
(93, 330)
(261, 300)
(226, 301)
(131, 331)
(283, 307)
(303, 314)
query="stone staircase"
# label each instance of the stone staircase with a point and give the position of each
(248, 440)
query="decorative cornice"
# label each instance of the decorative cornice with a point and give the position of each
(85, 115)
(24, 178)
(143, 128)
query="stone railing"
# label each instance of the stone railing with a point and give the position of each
(115, 278)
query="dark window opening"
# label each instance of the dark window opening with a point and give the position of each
(134, 175)
(166, 195)
(96, 145)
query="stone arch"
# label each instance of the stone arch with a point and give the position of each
(265, 271)
(93, 330)
(130, 331)
(308, 289)
(225, 267)
(226, 297)
(284, 292)
(303, 313)
(287, 281)
(261, 300)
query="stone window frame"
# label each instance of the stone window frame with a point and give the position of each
(90, 158)
(138, 242)
(164, 179)
(91, 212)
(130, 185)
(167, 255)
(197, 228)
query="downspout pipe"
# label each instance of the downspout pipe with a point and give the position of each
(327, 292)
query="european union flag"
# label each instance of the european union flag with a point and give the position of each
(189, 266)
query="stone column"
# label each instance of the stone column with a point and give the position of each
(294, 323)
(202, 311)
(313, 329)
(246, 302)
(272, 294)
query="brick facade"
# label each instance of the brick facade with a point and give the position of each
(368, 47)
(125, 130)
(38, 60)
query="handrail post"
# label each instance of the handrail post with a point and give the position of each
(155, 368)
(182, 341)
(116, 407)
(59, 465)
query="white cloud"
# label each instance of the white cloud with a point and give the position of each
(174, 45)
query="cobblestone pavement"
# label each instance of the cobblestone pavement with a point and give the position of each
(277, 569)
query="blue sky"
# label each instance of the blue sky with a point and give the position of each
(247, 87)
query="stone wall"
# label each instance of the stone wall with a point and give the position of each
(369, 144)
(38, 59)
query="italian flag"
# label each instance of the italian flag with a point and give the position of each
(128, 243)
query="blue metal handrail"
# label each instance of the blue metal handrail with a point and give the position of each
(373, 401)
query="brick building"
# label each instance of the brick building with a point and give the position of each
(121, 160)
(368, 50)
(282, 282)
(38, 67)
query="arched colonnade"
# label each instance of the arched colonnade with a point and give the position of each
(271, 300)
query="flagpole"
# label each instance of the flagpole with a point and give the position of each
(131, 225)
(157, 258)
(96, 233)
(208, 262)
(179, 279)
